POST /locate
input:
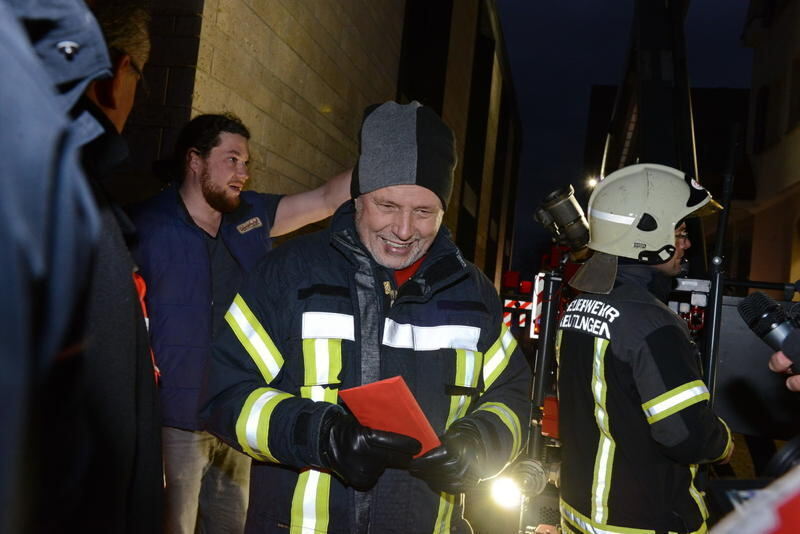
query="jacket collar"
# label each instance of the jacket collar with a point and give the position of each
(647, 278)
(443, 265)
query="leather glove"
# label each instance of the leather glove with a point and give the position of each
(359, 454)
(456, 465)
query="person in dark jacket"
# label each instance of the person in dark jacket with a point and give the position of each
(635, 418)
(49, 228)
(107, 476)
(383, 292)
(196, 241)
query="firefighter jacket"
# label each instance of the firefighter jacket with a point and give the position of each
(319, 315)
(173, 259)
(634, 413)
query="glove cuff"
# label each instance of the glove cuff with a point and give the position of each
(467, 430)
(312, 430)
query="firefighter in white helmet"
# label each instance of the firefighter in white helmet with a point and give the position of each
(635, 414)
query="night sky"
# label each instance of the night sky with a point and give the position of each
(558, 50)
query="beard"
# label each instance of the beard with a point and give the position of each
(217, 197)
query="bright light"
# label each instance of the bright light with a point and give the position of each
(506, 492)
(591, 182)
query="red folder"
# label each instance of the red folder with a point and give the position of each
(389, 405)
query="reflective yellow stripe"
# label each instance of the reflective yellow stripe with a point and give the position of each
(252, 426)
(254, 339)
(559, 334)
(606, 446)
(698, 498)
(497, 357)
(728, 444)
(510, 419)
(322, 363)
(580, 523)
(468, 367)
(310, 502)
(444, 516)
(675, 400)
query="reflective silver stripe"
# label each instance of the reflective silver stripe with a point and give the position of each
(328, 326)
(322, 361)
(409, 336)
(470, 370)
(254, 338)
(310, 501)
(612, 217)
(604, 457)
(253, 417)
(675, 400)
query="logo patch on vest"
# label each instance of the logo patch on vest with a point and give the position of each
(249, 224)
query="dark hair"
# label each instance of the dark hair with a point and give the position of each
(202, 134)
(125, 25)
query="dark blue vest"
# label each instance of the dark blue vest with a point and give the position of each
(173, 259)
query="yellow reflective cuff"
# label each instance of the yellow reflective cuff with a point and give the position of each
(675, 400)
(254, 338)
(497, 357)
(510, 420)
(252, 425)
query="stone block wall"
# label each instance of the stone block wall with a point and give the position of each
(299, 74)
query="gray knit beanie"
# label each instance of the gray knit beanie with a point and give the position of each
(404, 145)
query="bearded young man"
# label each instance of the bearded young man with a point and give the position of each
(383, 292)
(197, 240)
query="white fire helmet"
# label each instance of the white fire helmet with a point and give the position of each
(633, 213)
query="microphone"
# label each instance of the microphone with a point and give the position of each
(767, 319)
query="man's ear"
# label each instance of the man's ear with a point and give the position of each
(193, 160)
(107, 90)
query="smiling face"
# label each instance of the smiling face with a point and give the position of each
(397, 224)
(682, 244)
(225, 172)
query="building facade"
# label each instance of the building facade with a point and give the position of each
(300, 74)
(772, 30)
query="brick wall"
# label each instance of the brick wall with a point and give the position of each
(299, 74)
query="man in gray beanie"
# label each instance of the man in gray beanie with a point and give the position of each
(383, 292)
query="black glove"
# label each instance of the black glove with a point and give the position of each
(456, 465)
(359, 454)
